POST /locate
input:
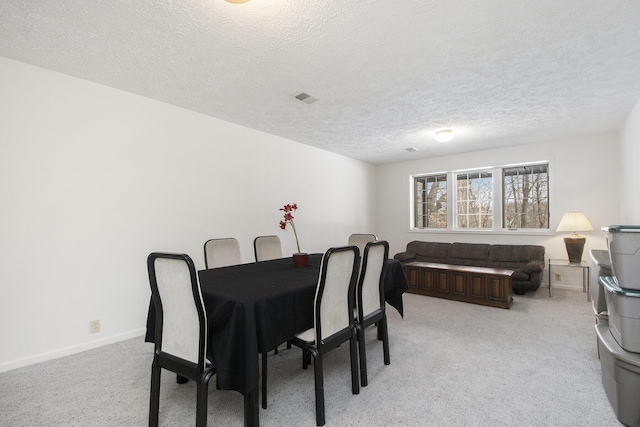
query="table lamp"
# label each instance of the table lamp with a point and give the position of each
(573, 222)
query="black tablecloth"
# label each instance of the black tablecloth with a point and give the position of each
(252, 308)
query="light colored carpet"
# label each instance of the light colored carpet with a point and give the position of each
(452, 364)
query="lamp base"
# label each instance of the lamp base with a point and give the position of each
(575, 247)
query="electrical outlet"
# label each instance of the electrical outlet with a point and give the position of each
(557, 277)
(95, 326)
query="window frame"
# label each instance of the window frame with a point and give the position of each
(504, 171)
(425, 213)
(497, 202)
(455, 177)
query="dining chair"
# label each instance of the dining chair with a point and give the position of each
(180, 331)
(267, 247)
(360, 240)
(370, 301)
(221, 253)
(334, 323)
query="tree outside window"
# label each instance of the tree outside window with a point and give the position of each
(526, 197)
(474, 200)
(523, 204)
(431, 201)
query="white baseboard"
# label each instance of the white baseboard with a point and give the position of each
(66, 351)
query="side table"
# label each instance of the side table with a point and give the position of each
(586, 275)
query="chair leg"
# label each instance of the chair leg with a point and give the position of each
(385, 340)
(353, 350)
(181, 380)
(202, 399)
(264, 380)
(154, 402)
(306, 358)
(363, 357)
(319, 386)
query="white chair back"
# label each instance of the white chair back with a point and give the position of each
(335, 294)
(221, 253)
(371, 279)
(267, 247)
(177, 311)
(360, 240)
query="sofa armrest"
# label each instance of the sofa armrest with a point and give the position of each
(533, 266)
(405, 256)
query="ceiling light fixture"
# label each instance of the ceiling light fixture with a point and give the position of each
(237, 1)
(444, 135)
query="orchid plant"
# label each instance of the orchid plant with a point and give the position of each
(288, 219)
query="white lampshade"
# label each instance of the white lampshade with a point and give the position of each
(574, 221)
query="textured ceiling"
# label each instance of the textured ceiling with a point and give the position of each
(387, 74)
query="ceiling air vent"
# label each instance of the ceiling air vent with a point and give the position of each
(305, 97)
(411, 149)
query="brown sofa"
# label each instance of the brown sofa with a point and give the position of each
(526, 261)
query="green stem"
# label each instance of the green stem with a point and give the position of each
(295, 234)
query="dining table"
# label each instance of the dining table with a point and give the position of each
(252, 308)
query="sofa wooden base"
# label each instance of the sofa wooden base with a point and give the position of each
(477, 285)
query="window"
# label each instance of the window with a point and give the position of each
(526, 197)
(431, 201)
(474, 193)
(517, 199)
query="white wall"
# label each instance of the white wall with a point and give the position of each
(584, 176)
(629, 161)
(92, 179)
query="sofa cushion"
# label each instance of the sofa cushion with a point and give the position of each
(429, 251)
(475, 254)
(520, 254)
(522, 259)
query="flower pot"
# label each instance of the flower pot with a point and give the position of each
(300, 259)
